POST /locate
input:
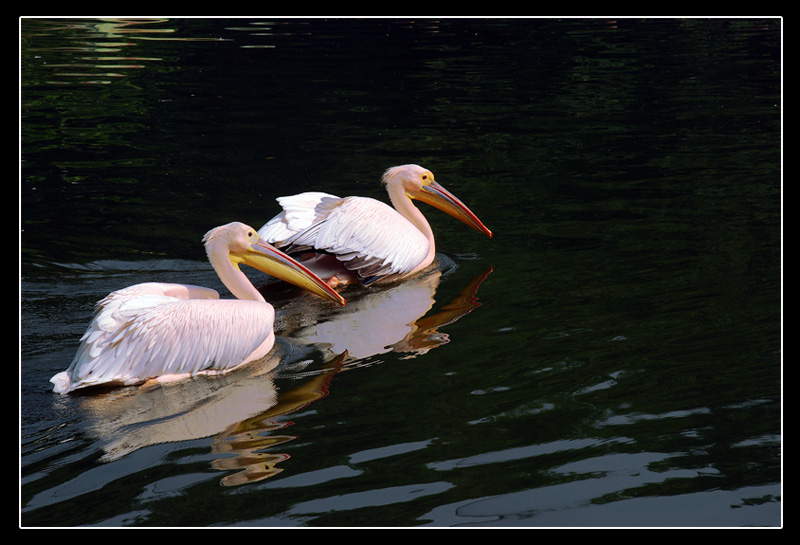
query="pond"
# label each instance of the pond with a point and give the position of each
(612, 357)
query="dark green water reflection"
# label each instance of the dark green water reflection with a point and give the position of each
(623, 367)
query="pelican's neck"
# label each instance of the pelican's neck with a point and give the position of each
(233, 278)
(406, 208)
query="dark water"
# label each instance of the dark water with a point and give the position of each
(612, 357)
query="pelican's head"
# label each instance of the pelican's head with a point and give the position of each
(418, 183)
(242, 244)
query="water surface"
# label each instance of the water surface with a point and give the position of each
(612, 357)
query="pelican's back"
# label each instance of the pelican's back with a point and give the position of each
(140, 333)
(366, 235)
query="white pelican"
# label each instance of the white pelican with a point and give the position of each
(358, 239)
(170, 331)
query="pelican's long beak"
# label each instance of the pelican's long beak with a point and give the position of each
(273, 262)
(435, 195)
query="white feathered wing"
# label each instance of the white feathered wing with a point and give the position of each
(367, 236)
(152, 329)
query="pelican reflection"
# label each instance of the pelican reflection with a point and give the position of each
(380, 319)
(222, 406)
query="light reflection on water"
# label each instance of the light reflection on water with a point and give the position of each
(620, 365)
(94, 48)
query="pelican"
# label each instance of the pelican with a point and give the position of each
(168, 331)
(362, 240)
